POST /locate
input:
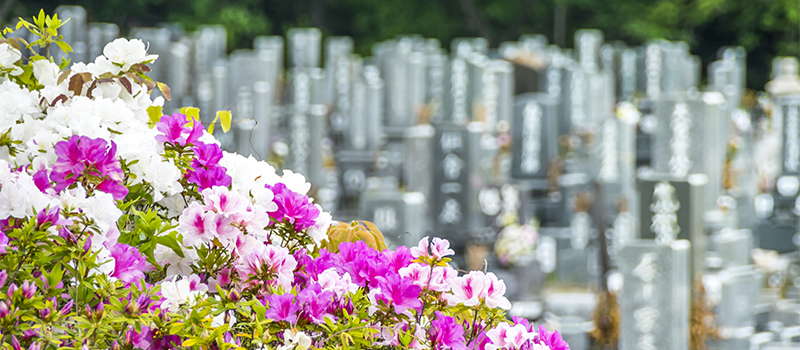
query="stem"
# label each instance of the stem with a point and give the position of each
(21, 261)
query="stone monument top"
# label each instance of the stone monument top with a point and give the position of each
(787, 81)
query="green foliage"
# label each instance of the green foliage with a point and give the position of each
(764, 28)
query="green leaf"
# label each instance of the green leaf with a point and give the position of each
(191, 342)
(172, 243)
(191, 114)
(211, 126)
(165, 90)
(225, 120)
(64, 46)
(154, 113)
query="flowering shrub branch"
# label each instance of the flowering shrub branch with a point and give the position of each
(121, 228)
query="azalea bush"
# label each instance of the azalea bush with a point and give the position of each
(122, 228)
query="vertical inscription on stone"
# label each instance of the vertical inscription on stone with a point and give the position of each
(577, 98)
(647, 315)
(531, 138)
(792, 140)
(299, 124)
(609, 172)
(653, 71)
(451, 143)
(491, 94)
(665, 218)
(458, 83)
(681, 124)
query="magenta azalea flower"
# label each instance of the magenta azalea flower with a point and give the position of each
(399, 292)
(314, 303)
(551, 339)
(445, 333)
(82, 156)
(51, 216)
(207, 155)
(175, 131)
(129, 264)
(207, 178)
(282, 308)
(293, 208)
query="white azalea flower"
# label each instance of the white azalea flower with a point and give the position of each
(46, 72)
(127, 52)
(177, 293)
(8, 56)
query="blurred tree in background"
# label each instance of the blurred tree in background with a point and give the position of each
(765, 28)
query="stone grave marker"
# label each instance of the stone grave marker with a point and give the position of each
(655, 297)
(672, 209)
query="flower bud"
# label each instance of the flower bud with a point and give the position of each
(11, 289)
(115, 346)
(35, 346)
(235, 296)
(45, 314)
(65, 310)
(15, 343)
(3, 309)
(129, 335)
(3, 277)
(28, 290)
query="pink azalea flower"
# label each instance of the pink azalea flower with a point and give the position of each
(551, 339)
(398, 292)
(505, 336)
(207, 178)
(446, 333)
(442, 278)
(493, 292)
(293, 208)
(81, 156)
(467, 289)
(439, 249)
(273, 261)
(222, 201)
(221, 228)
(207, 155)
(282, 308)
(174, 130)
(418, 273)
(129, 264)
(193, 225)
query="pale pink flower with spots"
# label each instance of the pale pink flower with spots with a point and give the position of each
(442, 278)
(505, 336)
(467, 289)
(493, 292)
(418, 273)
(192, 224)
(439, 249)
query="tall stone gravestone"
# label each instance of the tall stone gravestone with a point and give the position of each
(535, 135)
(74, 32)
(417, 172)
(306, 126)
(672, 208)
(655, 298)
(740, 293)
(304, 46)
(339, 86)
(210, 45)
(450, 201)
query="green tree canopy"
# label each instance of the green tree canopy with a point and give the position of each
(764, 28)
